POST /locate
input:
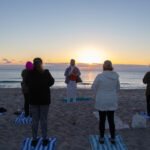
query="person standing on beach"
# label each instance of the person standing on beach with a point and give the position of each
(106, 86)
(146, 80)
(72, 75)
(25, 90)
(39, 82)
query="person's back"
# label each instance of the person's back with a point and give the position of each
(23, 83)
(146, 80)
(108, 81)
(25, 89)
(39, 83)
(106, 86)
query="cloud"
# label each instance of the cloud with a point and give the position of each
(6, 61)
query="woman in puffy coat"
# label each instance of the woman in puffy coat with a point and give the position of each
(106, 86)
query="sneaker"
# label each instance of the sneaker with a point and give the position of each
(101, 140)
(112, 140)
(34, 142)
(45, 142)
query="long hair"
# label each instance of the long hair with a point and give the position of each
(37, 62)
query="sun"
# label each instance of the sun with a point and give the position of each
(90, 56)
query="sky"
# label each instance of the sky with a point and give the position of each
(89, 31)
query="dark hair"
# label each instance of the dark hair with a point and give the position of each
(37, 62)
(107, 68)
(72, 60)
(108, 65)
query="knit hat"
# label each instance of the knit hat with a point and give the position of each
(29, 65)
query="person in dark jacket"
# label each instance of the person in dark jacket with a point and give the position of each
(146, 80)
(29, 66)
(39, 82)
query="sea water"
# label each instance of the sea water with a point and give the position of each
(10, 77)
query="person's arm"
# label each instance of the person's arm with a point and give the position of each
(50, 79)
(145, 78)
(95, 84)
(22, 73)
(66, 72)
(118, 85)
(79, 73)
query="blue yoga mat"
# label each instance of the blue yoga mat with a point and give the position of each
(21, 119)
(27, 144)
(144, 114)
(94, 140)
(2, 113)
(78, 99)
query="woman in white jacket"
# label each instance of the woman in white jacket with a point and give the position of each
(106, 86)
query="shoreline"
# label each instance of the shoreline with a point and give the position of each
(53, 88)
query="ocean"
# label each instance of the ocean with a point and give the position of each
(130, 78)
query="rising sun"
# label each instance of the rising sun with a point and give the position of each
(90, 57)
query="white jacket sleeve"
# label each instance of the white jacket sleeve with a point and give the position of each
(95, 84)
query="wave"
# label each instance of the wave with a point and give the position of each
(10, 81)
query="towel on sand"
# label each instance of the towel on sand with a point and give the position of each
(94, 140)
(78, 99)
(21, 119)
(118, 122)
(27, 144)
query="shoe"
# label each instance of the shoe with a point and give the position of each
(112, 140)
(45, 142)
(101, 140)
(26, 116)
(34, 142)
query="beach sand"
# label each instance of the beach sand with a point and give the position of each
(72, 123)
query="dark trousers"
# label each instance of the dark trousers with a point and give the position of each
(110, 116)
(148, 104)
(26, 104)
(39, 113)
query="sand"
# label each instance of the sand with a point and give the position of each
(72, 123)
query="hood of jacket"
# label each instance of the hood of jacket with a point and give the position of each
(110, 75)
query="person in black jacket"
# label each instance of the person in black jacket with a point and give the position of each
(25, 91)
(146, 80)
(39, 82)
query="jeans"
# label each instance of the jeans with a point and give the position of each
(39, 113)
(71, 90)
(110, 116)
(26, 104)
